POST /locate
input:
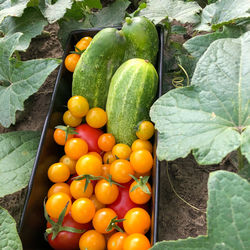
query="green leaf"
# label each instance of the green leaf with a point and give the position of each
(196, 46)
(228, 216)
(158, 10)
(19, 80)
(178, 29)
(8, 232)
(93, 4)
(223, 12)
(110, 16)
(17, 154)
(31, 24)
(55, 11)
(211, 117)
(12, 8)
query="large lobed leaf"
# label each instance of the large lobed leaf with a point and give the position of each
(31, 24)
(158, 10)
(19, 80)
(223, 12)
(8, 232)
(54, 11)
(17, 154)
(228, 216)
(12, 8)
(211, 117)
(197, 45)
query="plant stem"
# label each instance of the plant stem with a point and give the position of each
(240, 160)
(172, 186)
(18, 57)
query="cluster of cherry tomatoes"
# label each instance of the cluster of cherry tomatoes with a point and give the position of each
(99, 199)
(72, 59)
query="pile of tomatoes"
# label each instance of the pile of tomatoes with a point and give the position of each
(99, 199)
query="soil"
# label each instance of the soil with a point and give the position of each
(176, 219)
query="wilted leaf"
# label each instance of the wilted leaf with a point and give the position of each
(223, 12)
(210, 118)
(158, 10)
(31, 24)
(54, 11)
(19, 80)
(228, 216)
(17, 154)
(8, 232)
(12, 8)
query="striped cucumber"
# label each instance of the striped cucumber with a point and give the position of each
(131, 94)
(97, 65)
(142, 39)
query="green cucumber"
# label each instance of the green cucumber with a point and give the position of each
(132, 91)
(142, 39)
(97, 65)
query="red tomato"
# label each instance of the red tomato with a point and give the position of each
(90, 135)
(123, 203)
(67, 240)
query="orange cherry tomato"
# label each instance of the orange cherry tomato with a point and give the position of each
(78, 106)
(69, 162)
(71, 120)
(121, 151)
(105, 192)
(137, 220)
(71, 61)
(75, 148)
(142, 144)
(96, 117)
(77, 189)
(106, 142)
(95, 154)
(138, 196)
(60, 136)
(136, 241)
(141, 161)
(81, 45)
(56, 203)
(145, 130)
(58, 172)
(59, 187)
(87, 38)
(116, 241)
(108, 157)
(102, 220)
(92, 240)
(121, 170)
(106, 170)
(98, 204)
(83, 210)
(89, 164)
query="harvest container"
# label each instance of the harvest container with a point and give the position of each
(32, 223)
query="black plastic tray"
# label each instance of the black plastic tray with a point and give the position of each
(32, 222)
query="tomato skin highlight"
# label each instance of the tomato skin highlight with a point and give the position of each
(96, 117)
(58, 172)
(106, 142)
(78, 106)
(141, 161)
(138, 196)
(59, 187)
(90, 135)
(75, 148)
(67, 240)
(60, 136)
